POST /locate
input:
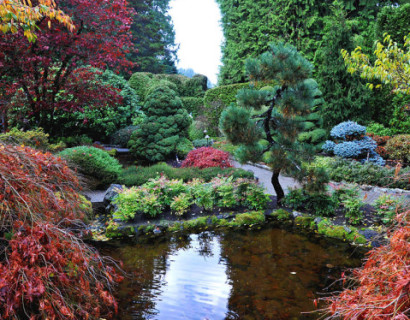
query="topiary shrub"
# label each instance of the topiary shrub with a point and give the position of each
(207, 157)
(77, 140)
(141, 82)
(195, 86)
(122, 136)
(98, 167)
(165, 124)
(350, 142)
(398, 148)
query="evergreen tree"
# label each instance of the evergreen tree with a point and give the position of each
(154, 37)
(267, 122)
(164, 128)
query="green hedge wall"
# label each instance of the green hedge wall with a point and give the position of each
(217, 99)
(144, 82)
(193, 105)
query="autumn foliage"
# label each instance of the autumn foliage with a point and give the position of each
(46, 271)
(207, 157)
(382, 288)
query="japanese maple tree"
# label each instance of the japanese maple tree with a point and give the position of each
(50, 74)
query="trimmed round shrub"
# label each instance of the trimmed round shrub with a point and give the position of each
(347, 129)
(348, 149)
(398, 148)
(95, 164)
(207, 157)
(165, 124)
(140, 82)
(329, 147)
(122, 136)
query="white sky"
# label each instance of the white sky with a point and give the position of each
(199, 34)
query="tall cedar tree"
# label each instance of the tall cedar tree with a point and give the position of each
(154, 37)
(50, 75)
(270, 130)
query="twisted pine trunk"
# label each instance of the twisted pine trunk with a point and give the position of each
(276, 185)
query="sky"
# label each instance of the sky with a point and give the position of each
(199, 35)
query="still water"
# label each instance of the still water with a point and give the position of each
(265, 274)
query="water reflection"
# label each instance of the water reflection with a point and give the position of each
(268, 274)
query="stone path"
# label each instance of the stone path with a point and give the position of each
(369, 195)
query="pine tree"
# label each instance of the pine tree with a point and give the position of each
(267, 122)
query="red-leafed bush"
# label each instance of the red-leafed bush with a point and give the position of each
(207, 157)
(381, 143)
(46, 271)
(383, 283)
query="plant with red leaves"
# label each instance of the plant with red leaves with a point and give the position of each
(46, 271)
(207, 157)
(52, 74)
(381, 143)
(382, 288)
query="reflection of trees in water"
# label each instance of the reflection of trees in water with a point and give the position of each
(260, 267)
(148, 263)
(205, 244)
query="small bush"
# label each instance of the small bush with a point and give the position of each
(199, 143)
(207, 157)
(122, 136)
(95, 164)
(378, 129)
(398, 148)
(347, 130)
(346, 170)
(78, 140)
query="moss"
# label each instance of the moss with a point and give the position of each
(282, 214)
(356, 237)
(305, 221)
(249, 218)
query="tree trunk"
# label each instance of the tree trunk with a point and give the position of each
(276, 185)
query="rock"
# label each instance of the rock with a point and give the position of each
(111, 193)
(318, 220)
(347, 229)
(296, 214)
(157, 230)
(369, 233)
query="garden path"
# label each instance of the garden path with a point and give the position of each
(369, 196)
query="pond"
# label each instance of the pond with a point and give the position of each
(253, 274)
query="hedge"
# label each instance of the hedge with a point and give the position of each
(193, 105)
(217, 99)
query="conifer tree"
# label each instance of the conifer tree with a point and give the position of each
(266, 123)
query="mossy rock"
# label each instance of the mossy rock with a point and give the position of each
(282, 214)
(248, 218)
(305, 222)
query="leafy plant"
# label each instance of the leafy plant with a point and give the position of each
(398, 148)
(226, 197)
(205, 196)
(207, 157)
(353, 205)
(386, 207)
(255, 197)
(181, 204)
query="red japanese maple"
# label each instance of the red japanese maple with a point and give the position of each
(46, 271)
(382, 288)
(207, 157)
(47, 74)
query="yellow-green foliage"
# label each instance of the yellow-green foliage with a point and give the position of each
(392, 65)
(37, 139)
(305, 222)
